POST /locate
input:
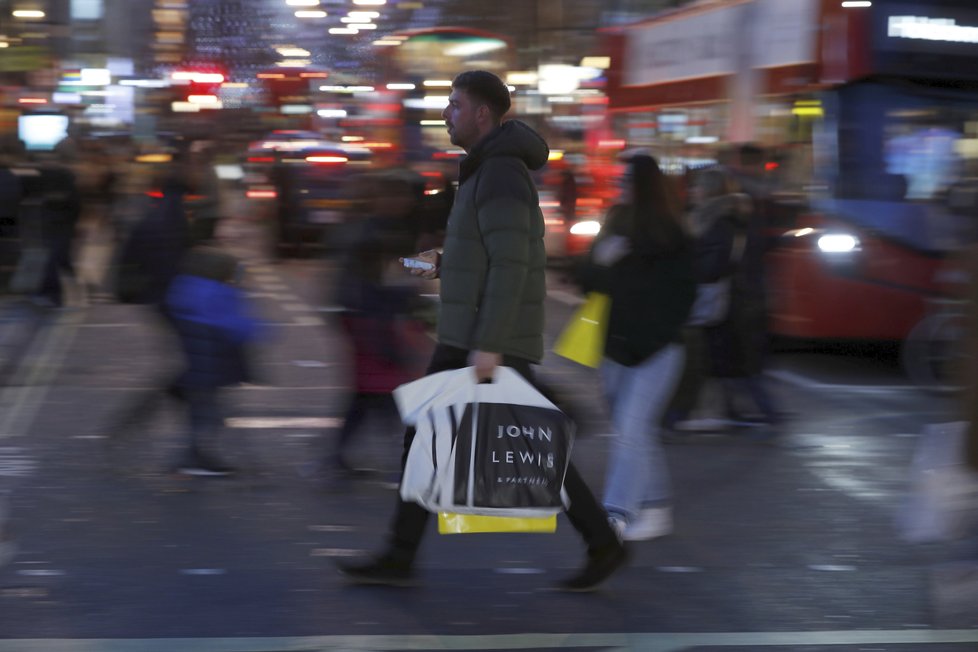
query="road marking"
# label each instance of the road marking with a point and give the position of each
(804, 382)
(331, 528)
(40, 572)
(646, 642)
(22, 400)
(678, 569)
(14, 463)
(336, 552)
(283, 422)
(203, 571)
(833, 568)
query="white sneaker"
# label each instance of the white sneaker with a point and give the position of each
(651, 523)
(618, 525)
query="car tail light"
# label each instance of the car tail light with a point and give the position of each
(327, 160)
(261, 194)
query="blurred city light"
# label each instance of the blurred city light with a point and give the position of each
(838, 243)
(293, 52)
(596, 62)
(28, 14)
(851, 4)
(310, 14)
(475, 47)
(586, 227)
(931, 29)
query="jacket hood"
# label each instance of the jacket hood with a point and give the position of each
(511, 138)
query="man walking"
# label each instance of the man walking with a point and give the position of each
(491, 313)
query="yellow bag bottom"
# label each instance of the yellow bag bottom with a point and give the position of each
(474, 524)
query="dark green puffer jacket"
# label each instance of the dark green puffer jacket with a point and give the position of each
(492, 269)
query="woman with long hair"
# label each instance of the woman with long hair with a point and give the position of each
(643, 260)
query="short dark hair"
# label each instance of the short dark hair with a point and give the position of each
(485, 87)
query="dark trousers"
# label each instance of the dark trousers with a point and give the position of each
(206, 420)
(361, 403)
(584, 512)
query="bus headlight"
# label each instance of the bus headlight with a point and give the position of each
(838, 243)
(586, 227)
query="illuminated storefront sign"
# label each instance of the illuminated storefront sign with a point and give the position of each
(724, 41)
(931, 29)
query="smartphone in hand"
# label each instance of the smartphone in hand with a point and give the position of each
(414, 263)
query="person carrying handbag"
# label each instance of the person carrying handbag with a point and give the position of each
(643, 260)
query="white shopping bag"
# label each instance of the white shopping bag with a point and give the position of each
(942, 502)
(496, 449)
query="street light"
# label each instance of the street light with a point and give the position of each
(27, 14)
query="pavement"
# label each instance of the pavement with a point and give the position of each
(778, 546)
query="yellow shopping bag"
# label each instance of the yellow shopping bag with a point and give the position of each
(475, 524)
(582, 340)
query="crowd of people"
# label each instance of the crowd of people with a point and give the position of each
(652, 257)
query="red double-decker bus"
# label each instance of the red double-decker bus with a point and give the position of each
(869, 112)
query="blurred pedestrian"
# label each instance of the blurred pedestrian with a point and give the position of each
(60, 210)
(378, 317)
(204, 202)
(749, 302)
(148, 260)
(155, 245)
(642, 259)
(567, 195)
(717, 222)
(432, 210)
(215, 327)
(492, 299)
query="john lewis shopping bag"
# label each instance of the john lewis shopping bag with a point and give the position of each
(498, 449)
(449, 523)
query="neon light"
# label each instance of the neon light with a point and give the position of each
(261, 194)
(931, 29)
(327, 159)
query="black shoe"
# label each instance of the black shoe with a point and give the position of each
(601, 563)
(383, 571)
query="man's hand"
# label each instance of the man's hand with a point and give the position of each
(431, 256)
(485, 363)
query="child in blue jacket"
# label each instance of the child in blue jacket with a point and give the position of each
(212, 320)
